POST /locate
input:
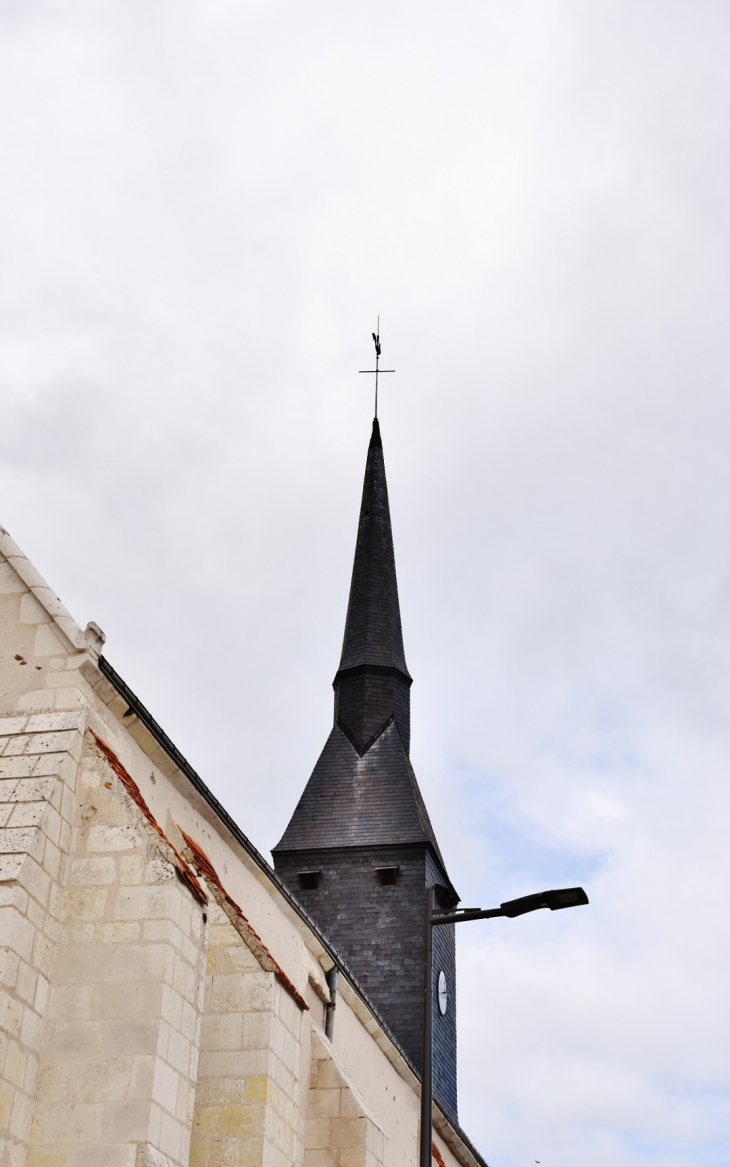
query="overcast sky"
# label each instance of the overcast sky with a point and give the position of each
(204, 205)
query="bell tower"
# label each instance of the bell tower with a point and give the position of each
(360, 850)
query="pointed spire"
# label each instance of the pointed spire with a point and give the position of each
(373, 634)
(372, 683)
(363, 791)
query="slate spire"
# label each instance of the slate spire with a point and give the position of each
(363, 791)
(373, 634)
(373, 682)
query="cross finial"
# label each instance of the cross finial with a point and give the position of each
(377, 370)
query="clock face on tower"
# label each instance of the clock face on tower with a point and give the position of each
(443, 995)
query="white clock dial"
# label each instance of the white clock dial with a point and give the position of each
(443, 994)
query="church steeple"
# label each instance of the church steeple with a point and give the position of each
(373, 634)
(359, 849)
(363, 791)
(372, 683)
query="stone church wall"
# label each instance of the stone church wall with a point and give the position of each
(341, 1129)
(253, 1066)
(121, 1048)
(38, 764)
(161, 999)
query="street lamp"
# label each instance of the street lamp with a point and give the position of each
(568, 897)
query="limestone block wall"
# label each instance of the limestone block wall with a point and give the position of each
(341, 1129)
(38, 764)
(106, 1000)
(117, 1047)
(253, 1072)
(119, 1064)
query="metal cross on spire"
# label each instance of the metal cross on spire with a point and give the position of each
(377, 370)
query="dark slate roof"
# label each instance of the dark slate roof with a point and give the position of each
(373, 634)
(354, 801)
(361, 797)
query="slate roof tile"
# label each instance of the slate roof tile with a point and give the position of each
(353, 801)
(373, 633)
(373, 799)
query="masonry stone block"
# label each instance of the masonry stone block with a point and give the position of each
(17, 932)
(52, 857)
(112, 838)
(84, 903)
(10, 726)
(12, 766)
(190, 1024)
(69, 698)
(64, 741)
(118, 932)
(122, 1155)
(72, 1039)
(38, 699)
(256, 1030)
(54, 722)
(165, 931)
(184, 979)
(324, 1103)
(131, 1036)
(87, 1080)
(86, 965)
(127, 1120)
(21, 1116)
(322, 1158)
(32, 611)
(171, 1007)
(145, 902)
(29, 814)
(7, 1095)
(70, 1001)
(10, 866)
(14, 1064)
(179, 1052)
(115, 1001)
(17, 745)
(34, 881)
(62, 766)
(93, 871)
(74, 1123)
(41, 788)
(31, 1031)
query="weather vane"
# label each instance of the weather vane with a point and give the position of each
(377, 370)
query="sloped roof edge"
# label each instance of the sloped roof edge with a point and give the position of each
(91, 639)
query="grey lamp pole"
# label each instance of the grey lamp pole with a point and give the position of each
(568, 897)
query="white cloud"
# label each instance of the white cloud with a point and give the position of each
(204, 206)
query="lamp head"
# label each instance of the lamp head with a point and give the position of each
(567, 897)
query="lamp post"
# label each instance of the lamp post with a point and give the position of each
(569, 897)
